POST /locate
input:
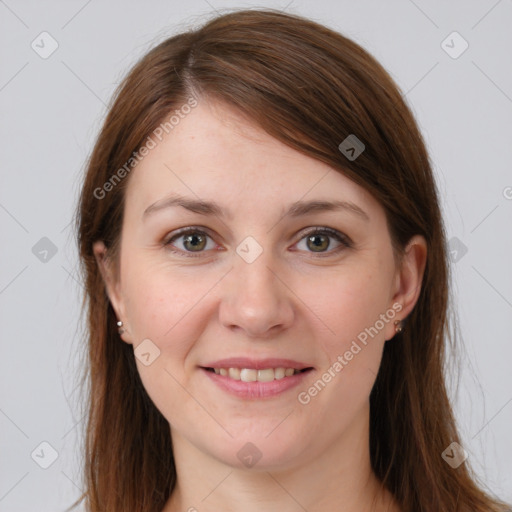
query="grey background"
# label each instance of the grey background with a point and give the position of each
(51, 110)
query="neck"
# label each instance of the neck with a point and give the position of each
(339, 478)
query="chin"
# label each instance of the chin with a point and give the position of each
(258, 452)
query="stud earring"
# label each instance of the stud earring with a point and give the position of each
(398, 326)
(120, 325)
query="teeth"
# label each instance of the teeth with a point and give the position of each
(279, 373)
(247, 375)
(253, 375)
(266, 375)
(234, 373)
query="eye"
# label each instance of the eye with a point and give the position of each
(190, 240)
(318, 240)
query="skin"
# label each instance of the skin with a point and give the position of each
(291, 302)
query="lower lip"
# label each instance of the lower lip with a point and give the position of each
(256, 390)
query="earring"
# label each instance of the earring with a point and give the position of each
(120, 325)
(398, 326)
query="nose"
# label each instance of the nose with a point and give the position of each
(255, 299)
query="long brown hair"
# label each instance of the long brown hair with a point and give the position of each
(310, 88)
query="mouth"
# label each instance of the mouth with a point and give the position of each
(257, 375)
(256, 379)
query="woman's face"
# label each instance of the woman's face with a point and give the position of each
(249, 286)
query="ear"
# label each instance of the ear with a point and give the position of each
(112, 285)
(409, 277)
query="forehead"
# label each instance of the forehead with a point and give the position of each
(215, 153)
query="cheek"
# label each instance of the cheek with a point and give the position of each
(159, 303)
(349, 303)
(167, 309)
(351, 308)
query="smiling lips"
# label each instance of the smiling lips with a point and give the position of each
(250, 370)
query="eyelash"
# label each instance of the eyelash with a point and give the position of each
(344, 240)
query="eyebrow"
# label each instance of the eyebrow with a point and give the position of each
(297, 209)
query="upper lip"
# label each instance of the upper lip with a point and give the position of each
(257, 364)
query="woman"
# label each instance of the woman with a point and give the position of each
(266, 276)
